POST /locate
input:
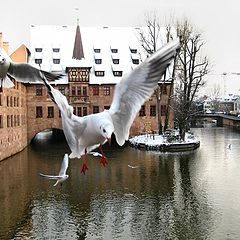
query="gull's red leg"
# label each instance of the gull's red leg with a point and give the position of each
(103, 158)
(84, 166)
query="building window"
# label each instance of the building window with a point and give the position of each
(50, 112)
(117, 73)
(56, 61)
(106, 91)
(39, 91)
(38, 61)
(95, 109)
(133, 50)
(1, 121)
(135, 61)
(79, 111)
(163, 110)
(115, 61)
(39, 112)
(164, 89)
(97, 50)
(99, 73)
(114, 50)
(142, 111)
(96, 91)
(73, 91)
(8, 121)
(78, 91)
(62, 89)
(106, 107)
(56, 49)
(98, 61)
(38, 49)
(153, 110)
(85, 111)
(84, 93)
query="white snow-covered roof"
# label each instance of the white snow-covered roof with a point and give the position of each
(49, 37)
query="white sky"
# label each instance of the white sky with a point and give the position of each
(218, 20)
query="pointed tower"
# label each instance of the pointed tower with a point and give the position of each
(78, 47)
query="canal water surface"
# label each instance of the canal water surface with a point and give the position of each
(188, 195)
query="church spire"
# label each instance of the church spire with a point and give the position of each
(78, 47)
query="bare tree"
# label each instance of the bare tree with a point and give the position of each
(190, 69)
(151, 40)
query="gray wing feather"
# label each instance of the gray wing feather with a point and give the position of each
(24, 72)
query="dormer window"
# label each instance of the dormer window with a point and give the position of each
(114, 50)
(97, 50)
(133, 50)
(99, 73)
(56, 49)
(98, 61)
(56, 61)
(135, 61)
(117, 73)
(115, 61)
(38, 61)
(38, 49)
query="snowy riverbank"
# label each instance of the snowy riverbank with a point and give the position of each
(168, 142)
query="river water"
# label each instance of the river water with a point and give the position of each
(189, 195)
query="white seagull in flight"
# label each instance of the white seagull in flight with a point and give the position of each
(62, 176)
(84, 134)
(21, 72)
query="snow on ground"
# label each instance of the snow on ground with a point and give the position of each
(167, 139)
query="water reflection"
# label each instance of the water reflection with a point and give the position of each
(191, 195)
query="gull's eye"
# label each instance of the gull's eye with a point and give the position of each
(104, 130)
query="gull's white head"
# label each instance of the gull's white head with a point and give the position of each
(107, 130)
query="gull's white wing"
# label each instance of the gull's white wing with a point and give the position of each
(50, 176)
(73, 126)
(136, 87)
(64, 165)
(24, 72)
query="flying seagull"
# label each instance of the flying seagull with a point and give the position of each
(21, 72)
(84, 134)
(62, 176)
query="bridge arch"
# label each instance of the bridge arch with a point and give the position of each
(40, 125)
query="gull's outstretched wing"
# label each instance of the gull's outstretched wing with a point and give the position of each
(136, 87)
(23, 72)
(64, 165)
(73, 126)
(50, 176)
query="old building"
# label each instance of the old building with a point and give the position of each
(94, 60)
(13, 110)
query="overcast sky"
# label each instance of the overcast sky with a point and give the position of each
(218, 20)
